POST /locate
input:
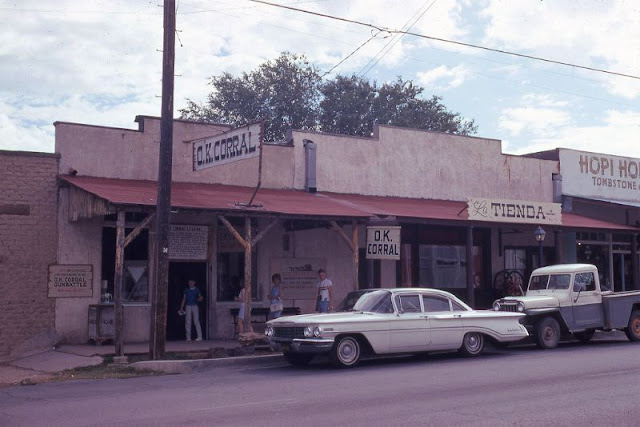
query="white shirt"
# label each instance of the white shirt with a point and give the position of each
(323, 287)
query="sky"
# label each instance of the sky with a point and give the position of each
(100, 62)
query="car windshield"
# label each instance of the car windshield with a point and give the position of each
(375, 302)
(350, 300)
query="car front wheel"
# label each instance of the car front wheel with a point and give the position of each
(472, 344)
(345, 352)
(548, 333)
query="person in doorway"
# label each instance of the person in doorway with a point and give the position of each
(191, 296)
(242, 313)
(275, 297)
(325, 293)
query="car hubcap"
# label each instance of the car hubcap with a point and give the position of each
(635, 326)
(548, 334)
(473, 342)
(348, 352)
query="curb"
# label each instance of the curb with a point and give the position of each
(200, 365)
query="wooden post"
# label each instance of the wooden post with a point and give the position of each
(356, 253)
(247, 275)
(118, 288)
(470, 273)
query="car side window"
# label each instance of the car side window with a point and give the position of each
(409, 303)
(457, 307)
(433, 303)
(584, 282)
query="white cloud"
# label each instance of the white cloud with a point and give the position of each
(443, 77)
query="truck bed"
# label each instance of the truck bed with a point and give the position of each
(617, 308)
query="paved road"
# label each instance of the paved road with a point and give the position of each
(596, 384)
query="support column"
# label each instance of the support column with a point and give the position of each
(118, 288)
(470, 272)
(557, 240)
(356, 253)
(247, 275)
(634, 262)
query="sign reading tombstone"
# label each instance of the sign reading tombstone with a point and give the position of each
(383, 242)
(70, 281)
(188, 242)
(236, 144)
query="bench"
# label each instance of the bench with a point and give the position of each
(261, 312)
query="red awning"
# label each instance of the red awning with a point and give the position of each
(218, 197)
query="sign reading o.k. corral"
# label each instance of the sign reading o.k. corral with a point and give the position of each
(600, 176)
(383, 242)
(70, 281)
(236, 144)
(517, 211)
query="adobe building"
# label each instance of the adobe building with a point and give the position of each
(404, 207)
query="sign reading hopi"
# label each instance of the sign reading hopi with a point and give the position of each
(518, 211)
(70, 281)
(236, 144)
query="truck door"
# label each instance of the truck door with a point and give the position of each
(587, 302)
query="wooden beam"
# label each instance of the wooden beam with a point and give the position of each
(247, 276)
(134, 233)
(260, 235)
(342, 234)
(356, 252)
(234, 232)
(118, 288)
(470, 272)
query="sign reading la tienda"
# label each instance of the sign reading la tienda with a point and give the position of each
(236, 144)
(524, 212)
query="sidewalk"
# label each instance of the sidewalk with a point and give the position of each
(42, 366)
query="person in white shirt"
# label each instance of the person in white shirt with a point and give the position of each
(325, 293)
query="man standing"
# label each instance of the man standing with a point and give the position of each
(191, 296)
(325, 293)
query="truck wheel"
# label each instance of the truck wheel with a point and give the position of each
(345, 352)
(472, 344)
(297, 359)
(547, 333)
(633, 328)
(584, 336)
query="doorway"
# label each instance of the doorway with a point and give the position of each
(179, 274)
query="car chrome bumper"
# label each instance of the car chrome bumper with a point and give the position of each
(298, 345)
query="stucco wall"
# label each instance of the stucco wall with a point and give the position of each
(431, 165)
(27, 247)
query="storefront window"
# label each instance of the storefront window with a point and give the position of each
(442, 267)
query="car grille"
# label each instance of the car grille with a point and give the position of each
(509, 307)
(288, 332)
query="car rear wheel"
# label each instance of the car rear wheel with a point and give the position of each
(633, 328)
(548, 333)
(584, 336)
(297, 359)
(345, 352)
(472, 344)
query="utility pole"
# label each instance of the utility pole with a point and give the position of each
(163, 207)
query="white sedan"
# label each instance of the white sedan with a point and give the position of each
(392, 321)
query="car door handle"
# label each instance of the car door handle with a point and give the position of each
(457, 316)
(424, 317)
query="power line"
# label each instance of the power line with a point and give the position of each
(474, 46)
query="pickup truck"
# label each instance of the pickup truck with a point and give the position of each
(566, 299)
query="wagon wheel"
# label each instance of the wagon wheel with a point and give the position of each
(509, 282)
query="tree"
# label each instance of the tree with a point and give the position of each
(288, 93)
(283, 92)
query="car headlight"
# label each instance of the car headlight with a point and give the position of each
(317, 331)
(520, 307)
(308, 331)
(496, 306)
(268, 331)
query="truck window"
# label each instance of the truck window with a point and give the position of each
(538, 283)
(559, 281)
(584, 282)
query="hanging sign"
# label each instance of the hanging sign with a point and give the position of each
(383, 242)
(236, 144)
(70, 281)
(518, 211)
